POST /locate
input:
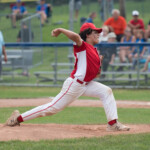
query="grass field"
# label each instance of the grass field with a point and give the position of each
(40, 92)
(84, 115)
(119, 142)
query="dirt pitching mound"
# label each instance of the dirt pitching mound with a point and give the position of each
(36, 132)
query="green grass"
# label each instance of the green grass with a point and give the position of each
(84, 115)
(119, 142)
(39, 92)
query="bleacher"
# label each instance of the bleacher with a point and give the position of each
(112, 75)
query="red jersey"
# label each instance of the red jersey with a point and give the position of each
(87, 62)
(139, 21)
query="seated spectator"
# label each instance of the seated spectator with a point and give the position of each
(146, 65)
(136, 24)
(126, 51)
(108, 52)
(147, 33)
(2, 52)
(45, 10)
(25, 35)
(112, 39)
(92, 16)
(116, 23)
(104, 34)
(139, 39)
(142, 49)
(18, 12)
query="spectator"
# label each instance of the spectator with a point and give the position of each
(142, 49)
(112, 39)
(45, 10)
(25, 35)
(147, 33)
(146, 65)
(136, 24)
(18, 12)
(126, 51)
(116, 23)
(139, 39)
(2, 51)
(77, 4)
(108, 52)
(92, 16)
(104, 34)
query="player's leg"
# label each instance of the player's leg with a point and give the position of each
(71, 90)
(13, 18)
(146, 64)
(103, 92)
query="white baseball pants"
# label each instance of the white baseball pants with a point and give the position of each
(72, 90)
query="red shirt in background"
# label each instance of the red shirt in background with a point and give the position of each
(139, 21)
(118, 25)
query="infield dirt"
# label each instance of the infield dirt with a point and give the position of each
(37, 132)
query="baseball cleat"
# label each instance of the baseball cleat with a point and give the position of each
(12, 120)
(117, 127)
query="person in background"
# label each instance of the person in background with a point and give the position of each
(77, 7)
(92, 16)
(112, 39)
(25, 35)
(108, 52)
(126, 51)
(136, 24)
(2, 52)
(116, 23)
(104, 34)
(18, 12)
(142, 49)
(147, 33)
(45, 10)
(139, 39)
(146, 65)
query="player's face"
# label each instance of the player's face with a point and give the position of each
(94, 36)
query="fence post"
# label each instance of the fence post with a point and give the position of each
(55, 66)
(138, 67)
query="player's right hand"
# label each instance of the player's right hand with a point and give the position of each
(55, 32)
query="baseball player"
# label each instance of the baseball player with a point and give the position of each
(87, 67)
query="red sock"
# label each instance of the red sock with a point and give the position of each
(20, 119)
(112, 122)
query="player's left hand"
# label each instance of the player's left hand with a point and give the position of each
(55, 32)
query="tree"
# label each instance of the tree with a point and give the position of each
(122, 8)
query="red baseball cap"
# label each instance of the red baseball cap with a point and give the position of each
(89, 25)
